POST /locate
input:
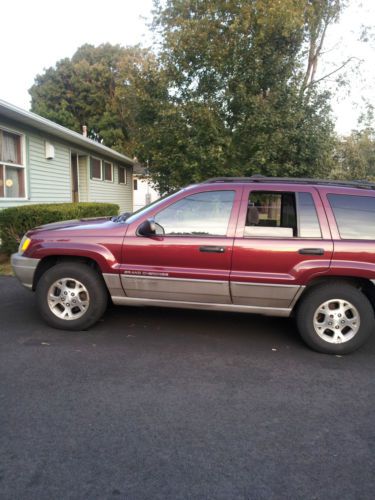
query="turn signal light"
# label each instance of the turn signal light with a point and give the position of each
(24, 245)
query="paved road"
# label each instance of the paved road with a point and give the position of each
(167, 404)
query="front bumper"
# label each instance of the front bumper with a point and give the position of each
(24, 268)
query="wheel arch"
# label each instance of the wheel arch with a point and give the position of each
(48, 262)
(363, 284)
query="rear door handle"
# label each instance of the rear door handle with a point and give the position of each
(212, 249)
(311, 251)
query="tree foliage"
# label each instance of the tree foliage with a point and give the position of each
(103, 88)
(247, 69)
(231, 91)
(355, 156)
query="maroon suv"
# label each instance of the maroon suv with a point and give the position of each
(278, 247)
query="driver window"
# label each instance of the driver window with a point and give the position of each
(201, 214)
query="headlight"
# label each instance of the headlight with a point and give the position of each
(24, 245)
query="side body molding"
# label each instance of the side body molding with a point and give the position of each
(269, 300)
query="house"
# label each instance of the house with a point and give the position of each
(43, 162)
(143, 191)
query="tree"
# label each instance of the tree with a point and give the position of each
(241, 76)
(319, 15)
(103, 88)
(231, 91)
(355, 155)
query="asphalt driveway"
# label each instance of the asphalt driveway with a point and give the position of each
(170, 404)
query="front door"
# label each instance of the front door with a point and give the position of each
(282, 242)
(190, 259)
(74, 176)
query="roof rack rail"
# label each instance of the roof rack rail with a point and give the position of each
(360, 184)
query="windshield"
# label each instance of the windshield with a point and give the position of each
(143, 211)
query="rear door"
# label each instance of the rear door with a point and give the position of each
(351, 214)
(189, 260)
(282, 241)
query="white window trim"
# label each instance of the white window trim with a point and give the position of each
(126, 175)
(112, 172)
(7, 164)
(72, 151)
(101, 169)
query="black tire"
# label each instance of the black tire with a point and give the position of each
(320, 294)
(90, 279)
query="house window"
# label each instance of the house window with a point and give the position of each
(135, 184)
(12, 168)
(108, 171)
(95, 168)
(122, 175)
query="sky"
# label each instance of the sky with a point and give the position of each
(40, 32)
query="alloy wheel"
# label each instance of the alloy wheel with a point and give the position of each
(68, 299)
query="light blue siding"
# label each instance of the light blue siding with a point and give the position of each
(113, 192)
(46, 181)
(49, 181)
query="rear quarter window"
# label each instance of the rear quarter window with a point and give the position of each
(355, 216)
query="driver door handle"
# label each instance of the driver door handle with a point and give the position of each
(212, 249)
(311, 251)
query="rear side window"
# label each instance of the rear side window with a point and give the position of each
(281, 215)
(355, 216)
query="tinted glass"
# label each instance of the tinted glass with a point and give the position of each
(271, 214)
(202, 214)
(355, 216)
(308, 219)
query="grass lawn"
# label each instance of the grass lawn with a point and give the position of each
(5, 267)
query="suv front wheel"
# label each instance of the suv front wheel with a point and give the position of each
(71, 296)
(335, 318)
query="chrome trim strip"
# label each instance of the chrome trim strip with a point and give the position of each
(155, 276)
(266, 311)
(263, 284)
(24, 269)
(113, 283)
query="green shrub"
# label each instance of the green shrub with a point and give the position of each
(15, 221)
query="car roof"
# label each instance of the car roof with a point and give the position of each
(260, 179)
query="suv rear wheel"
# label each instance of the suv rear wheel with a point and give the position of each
(71, 296)
(335, 318)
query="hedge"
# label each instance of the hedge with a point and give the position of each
(15, 221)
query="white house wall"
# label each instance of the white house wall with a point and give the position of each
(144, 195)
(83, 178)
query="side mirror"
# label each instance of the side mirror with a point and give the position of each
(147, 228)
